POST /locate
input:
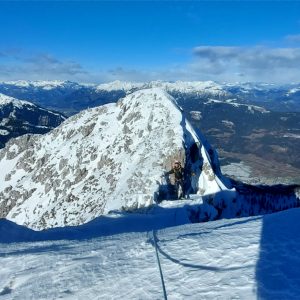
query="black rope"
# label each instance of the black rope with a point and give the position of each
(159, 266)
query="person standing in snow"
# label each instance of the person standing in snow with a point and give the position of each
(178, 172)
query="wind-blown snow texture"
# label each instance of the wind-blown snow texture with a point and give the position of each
(246, 258)
(103, 159)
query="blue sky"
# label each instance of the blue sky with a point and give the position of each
(98, 41)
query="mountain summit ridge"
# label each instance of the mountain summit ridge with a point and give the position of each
(106, 158)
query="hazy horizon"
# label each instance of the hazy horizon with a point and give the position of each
(103, 41)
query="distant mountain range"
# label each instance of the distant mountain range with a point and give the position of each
(71, 97)
(254, 126)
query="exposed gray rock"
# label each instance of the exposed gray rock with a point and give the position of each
(100, 160)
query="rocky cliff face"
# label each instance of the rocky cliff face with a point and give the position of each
(19, 117)
(103, 159)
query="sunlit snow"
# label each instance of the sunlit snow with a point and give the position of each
(248, 258)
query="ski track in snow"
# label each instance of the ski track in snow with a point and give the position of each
(226, 259)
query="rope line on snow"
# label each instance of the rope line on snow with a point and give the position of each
(159, 267)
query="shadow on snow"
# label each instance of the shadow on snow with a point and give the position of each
(278, 266)
(193, 266)
(154, 218)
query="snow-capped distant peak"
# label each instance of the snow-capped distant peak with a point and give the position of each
(293, 91)
(119, 85)
(202, 87)
(42, 84)
(4, 100)
(232, 102)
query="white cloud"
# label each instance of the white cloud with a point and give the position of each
(247, 63)
(294, 38)
(257, 63)
(39, 66)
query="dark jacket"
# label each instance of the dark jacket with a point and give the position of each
(178, 173)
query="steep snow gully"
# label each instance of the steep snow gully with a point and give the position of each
(80, 250)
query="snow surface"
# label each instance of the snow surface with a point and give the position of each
(292, 135)
(119, 85)
(248, 86)
(239, 170)
(202, 87)
(5, 100)
(247, 258)
(199, 87)
(17, 103)
(228, 123)
(4, 132)
(251, 108)
(45, 84)
(293, 91)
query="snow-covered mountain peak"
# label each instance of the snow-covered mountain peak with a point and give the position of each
(5, 100)
(194, 86)
(42, 84)
(202, 87)
(119, 85)
(150, 98)
(103, 159)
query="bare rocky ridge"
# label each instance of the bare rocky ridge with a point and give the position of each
(102, 159)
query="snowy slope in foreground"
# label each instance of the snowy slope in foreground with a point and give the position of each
(247, 258)
(103, 159)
